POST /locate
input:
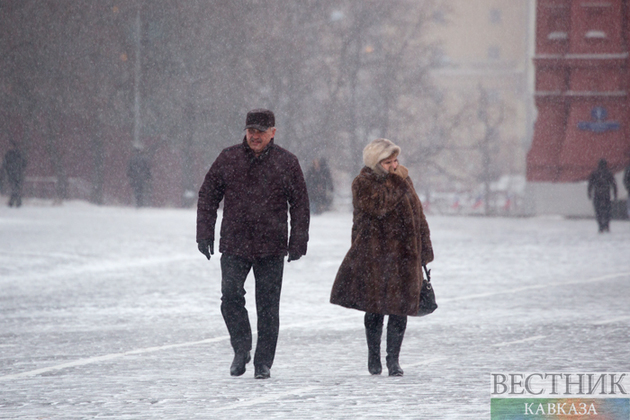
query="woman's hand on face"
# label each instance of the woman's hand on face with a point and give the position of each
(401, 171)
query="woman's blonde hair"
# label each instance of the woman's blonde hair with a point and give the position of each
(377, 151)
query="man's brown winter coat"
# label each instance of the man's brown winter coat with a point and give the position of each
(382, 272)
(257, 192)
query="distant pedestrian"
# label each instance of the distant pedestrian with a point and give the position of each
(626, 183)
(139, 173)
(259, 183)
(600, 182)
(13, 167)
(320, 186)
(382, 272)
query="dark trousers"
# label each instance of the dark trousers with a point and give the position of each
(396, 326)
(138, 192)
(16, 194)
(268, 277)
(603, 212)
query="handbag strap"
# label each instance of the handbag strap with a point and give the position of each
(427, 272)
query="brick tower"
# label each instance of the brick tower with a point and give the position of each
(581, 93)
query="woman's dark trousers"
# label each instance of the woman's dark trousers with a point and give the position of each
(268, 277)
(396, 326)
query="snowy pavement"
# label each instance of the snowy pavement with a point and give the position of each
(112, 312)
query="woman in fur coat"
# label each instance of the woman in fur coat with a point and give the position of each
(382, 272)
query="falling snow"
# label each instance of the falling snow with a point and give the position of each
(110, 312)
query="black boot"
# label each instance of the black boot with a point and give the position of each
(393, 366)
(396, 326)
(373, 331)
(238, 364)
(374, 361)
(262, 372)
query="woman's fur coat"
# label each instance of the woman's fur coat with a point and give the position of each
(382, 271)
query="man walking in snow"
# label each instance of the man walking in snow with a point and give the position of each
(626, 183)
(260, 183)
(14, 165)
(139, 173)
(600, 183)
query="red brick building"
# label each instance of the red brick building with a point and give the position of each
(75, 155)
(582, 84)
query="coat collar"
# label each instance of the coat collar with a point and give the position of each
(250, 153)
(372, 174)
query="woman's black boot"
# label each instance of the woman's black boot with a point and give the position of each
(373, 331)
(396, 326)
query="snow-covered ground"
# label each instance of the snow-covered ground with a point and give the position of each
(113, 313)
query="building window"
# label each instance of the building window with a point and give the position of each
(595, 35)
(494, 52)
(495, 16)
(598, 16)
(558, 20)
(557, 36)
(597, 8)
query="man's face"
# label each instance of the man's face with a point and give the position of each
(258, 140)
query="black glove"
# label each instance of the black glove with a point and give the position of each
(293, 256)
(206, 247)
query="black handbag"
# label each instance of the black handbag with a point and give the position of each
(427, 296)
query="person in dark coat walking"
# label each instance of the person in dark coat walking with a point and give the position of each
(382, 272)
(14, 166)
(139, 173)
(260, 183)
(600, 182)
(626, 183)
(320, 186)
